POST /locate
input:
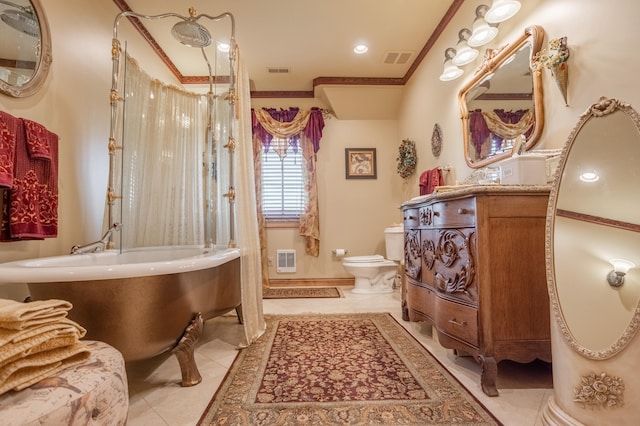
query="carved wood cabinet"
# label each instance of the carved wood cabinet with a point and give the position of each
(475, 269)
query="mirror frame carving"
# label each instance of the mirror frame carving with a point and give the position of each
(600, 109)
(493, 59)
(44, 62)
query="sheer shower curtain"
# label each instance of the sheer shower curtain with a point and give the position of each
(163, 136)
(152, 157)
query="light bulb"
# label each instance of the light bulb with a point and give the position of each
(501, 10)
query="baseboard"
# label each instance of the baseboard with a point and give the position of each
(312, 282)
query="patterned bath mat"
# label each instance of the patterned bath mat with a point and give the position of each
(300, 292)
(340, 369)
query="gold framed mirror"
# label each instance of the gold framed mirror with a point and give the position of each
(25, 47)
(593, 219)
(503, 101)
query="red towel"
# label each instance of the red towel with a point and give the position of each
(7, 150)
(37, 139)
(429, 179)
(30, 207)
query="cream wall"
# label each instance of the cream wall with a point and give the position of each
(353, 212)
(601, 37)
(74, 104)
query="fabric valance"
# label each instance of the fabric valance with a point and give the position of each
(268, 123)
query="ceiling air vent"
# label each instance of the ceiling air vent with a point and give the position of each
(397, 57)
(278, 70)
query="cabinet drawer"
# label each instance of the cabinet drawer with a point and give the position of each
(457, 320)
(421, 299)
(410, 218)
(455, 213)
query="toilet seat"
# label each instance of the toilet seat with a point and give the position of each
(375, 258)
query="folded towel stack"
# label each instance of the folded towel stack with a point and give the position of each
(37, 340)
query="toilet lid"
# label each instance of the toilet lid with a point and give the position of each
(365, 259)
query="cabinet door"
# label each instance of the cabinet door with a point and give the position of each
(455, 264)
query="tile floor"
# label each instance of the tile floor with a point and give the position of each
(156, 398)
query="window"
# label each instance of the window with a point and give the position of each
(283, 194)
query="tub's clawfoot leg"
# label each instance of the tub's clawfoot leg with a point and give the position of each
(239, 313)
(184, 352)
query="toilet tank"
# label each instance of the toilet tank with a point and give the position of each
(394, 242)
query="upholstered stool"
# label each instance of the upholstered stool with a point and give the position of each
(93, 392)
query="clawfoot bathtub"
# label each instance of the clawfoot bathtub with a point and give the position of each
(142, 302)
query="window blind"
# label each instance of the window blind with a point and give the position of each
(283, 193)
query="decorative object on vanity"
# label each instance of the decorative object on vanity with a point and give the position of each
(595, 316)
(436, 140)
(460, 277)
(25, 33)
(407, 159)
(503, 101)
(555, 58)
(257, 390)
(360, 163)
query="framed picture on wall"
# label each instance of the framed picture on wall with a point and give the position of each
(360, 163)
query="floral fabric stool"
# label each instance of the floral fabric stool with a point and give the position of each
(93, 392)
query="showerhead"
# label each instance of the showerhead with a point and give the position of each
(191, 34)
(23, 21)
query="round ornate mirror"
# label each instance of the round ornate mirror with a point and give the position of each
(593, 218)
(503, 101)
(25, 47)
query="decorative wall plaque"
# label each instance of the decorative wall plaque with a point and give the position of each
(436, 140)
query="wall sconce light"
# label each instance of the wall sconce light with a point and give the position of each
(464, 53)
(501, 10)
(615, 278)
(450, 72)
(481, 32)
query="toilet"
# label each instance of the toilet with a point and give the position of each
(374, 274)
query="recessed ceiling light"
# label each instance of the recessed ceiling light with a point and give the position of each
(590, 176)
(360, 49)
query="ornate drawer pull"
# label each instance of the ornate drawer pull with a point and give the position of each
(453, 321)
(463, 211)
(410, 218)
(436, 213)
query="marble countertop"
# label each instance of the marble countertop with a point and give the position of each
(446, 192)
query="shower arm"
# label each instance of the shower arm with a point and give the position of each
(132, 14)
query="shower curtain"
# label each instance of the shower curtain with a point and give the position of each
(166, 161)
(246, 213)
(163, 138)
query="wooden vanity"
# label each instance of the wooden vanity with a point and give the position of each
(475, 269)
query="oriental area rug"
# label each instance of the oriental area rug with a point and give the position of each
(300, 292)
(340, 369)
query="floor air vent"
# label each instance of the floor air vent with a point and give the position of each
(286, 260)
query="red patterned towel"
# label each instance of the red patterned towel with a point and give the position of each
(7, 148)
(37, 139)
(429, 179)
(30, 207)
